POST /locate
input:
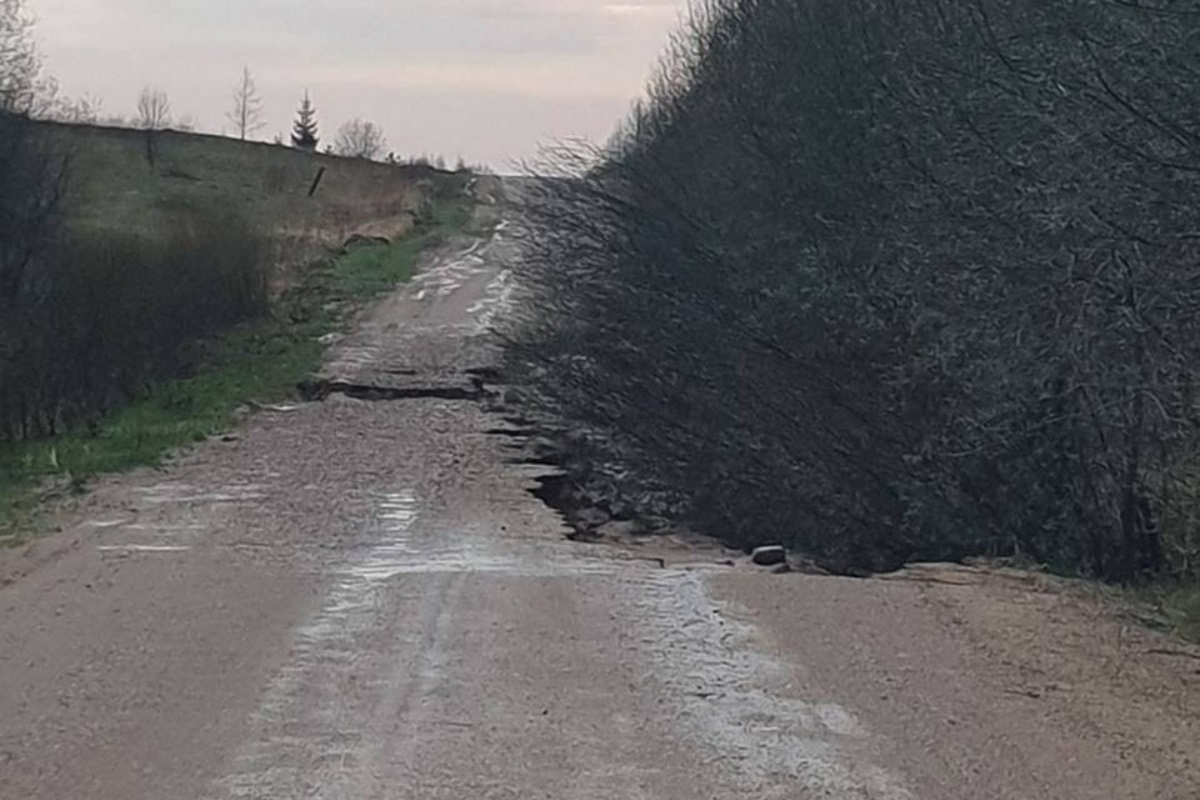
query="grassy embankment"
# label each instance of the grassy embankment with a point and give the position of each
(114, 189)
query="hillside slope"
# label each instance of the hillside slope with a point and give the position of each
(186, 276)
(123, 178)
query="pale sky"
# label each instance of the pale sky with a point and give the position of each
(485, 79)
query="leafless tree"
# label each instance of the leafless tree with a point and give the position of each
(360, 139)
(32, 174)
(246, 114)
(19, 62)
(153, 109)
(891, 279)
(80, 111)
(153, 115)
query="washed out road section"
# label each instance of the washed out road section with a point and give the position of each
(358, 598)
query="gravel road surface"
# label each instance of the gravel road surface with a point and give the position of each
(358, 599)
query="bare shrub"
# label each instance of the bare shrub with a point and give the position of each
(153, 109)
(360, 139)
(886, 279)
(104, 312)
(247, 111)
(20, 65)
(32, 182)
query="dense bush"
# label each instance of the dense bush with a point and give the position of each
(31, 183)
(98, 314)
(895, 279)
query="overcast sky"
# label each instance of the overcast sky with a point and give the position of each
(485, 79)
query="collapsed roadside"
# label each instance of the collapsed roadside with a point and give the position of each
(806, 305)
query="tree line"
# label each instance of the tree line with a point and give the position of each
(894, 279)
(26, 90)
(357, 138)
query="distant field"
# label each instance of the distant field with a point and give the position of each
(128, 179)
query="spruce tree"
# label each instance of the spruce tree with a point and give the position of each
(304, 131)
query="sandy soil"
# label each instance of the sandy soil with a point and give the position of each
(355, 599)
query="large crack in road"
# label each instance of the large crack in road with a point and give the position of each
(356, 600)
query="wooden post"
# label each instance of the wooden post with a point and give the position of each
(316, 182)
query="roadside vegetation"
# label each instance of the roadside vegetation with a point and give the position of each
(215, 339)
(154, 282)
(888, 280)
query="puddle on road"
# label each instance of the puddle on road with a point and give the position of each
(143, 548)
(168, 537)
(776, 745)
(718, 690)
(106, 523)
(164, 493)
(446, 279)
(276, 761)
(398, 554)
(498, 299)
(164, 530)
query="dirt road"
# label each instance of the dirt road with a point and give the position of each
(359, 599)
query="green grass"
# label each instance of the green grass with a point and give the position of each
(366, 271)
(450, 215)
(260, 362)
(1182, 606)
(1173, 608)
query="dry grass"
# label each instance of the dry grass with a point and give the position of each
(116, 185)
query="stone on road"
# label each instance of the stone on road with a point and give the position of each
(769, 555)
